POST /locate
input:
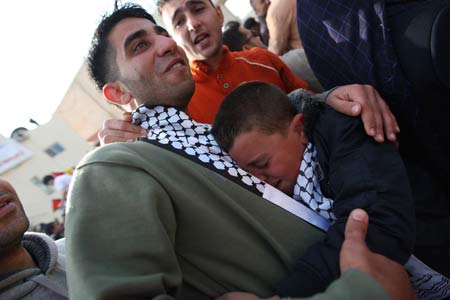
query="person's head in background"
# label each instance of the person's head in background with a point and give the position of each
(134, 61)
(196, 25)
(13, 224)
(253, 25)
(260, 8)
(48, 180)
(261, 130)
(238, 38)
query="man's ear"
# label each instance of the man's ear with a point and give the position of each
(297, 125)
(116, 94)
(220, 14)
(246, 47)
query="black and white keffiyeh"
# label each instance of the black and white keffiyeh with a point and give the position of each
(307, 188)
(173, 128)
(175, 131)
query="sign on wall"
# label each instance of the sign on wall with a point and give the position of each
(12, 154)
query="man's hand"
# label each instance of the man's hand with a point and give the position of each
(356, 255)
(243, 296)
(120, 131)
(358, 99)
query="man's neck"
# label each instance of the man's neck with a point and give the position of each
(14, 259)
(214, 61)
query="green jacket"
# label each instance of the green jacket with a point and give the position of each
(145, 223)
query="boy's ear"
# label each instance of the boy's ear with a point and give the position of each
(246, 47)
(298, 126)
(116, 94)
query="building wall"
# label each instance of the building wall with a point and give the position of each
(37, 200)
(83, 108)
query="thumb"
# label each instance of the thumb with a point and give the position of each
(357, 224)
(126, 116)
(346, 107)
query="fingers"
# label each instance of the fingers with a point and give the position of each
(390, 124)
(354, 251)
(372, 95)
(126, 116)
(358, 99)
(355, 255)
(357, 224)
(120, 131)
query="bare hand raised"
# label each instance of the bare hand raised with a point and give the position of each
(120, 130)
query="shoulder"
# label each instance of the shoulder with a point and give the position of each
(118, 153)
(138, 156)
(333, 126)
(256, 54)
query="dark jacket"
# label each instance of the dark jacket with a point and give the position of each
(356, 172)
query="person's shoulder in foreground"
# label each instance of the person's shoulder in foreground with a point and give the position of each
(31, 265)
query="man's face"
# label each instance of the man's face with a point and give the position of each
(153, 69)
(13, 221)
(274, 158)
(196, 25)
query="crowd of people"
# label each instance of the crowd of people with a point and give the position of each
(233, 177)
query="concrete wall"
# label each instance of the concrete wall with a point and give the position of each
(37, 200)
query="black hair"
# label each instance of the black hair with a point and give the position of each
(47, 179)
(232, 37)
(101, 60)
(250, 22)
(252, 105)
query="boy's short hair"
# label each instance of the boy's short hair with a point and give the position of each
(252, 105)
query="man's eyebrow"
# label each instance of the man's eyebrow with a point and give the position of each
(133, 36)
(180, 9)
(160, 30)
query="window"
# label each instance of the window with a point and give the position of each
(54, 149)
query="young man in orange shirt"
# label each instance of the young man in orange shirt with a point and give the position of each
(196, 26)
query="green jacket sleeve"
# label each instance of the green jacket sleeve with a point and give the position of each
(352, 285)
(120, 247)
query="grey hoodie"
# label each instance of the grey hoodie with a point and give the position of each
(47, 281)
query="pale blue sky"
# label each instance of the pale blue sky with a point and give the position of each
(43, 44)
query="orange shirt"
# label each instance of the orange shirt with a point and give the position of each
(211, 86)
